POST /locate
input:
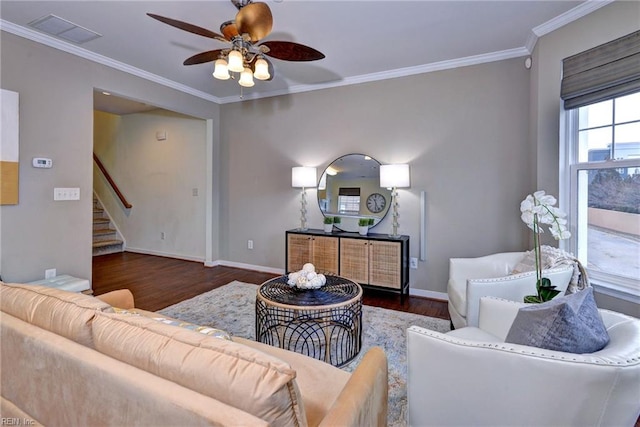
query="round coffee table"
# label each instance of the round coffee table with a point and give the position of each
(324, 323)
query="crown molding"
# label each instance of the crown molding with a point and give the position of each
(570, 16)
(392, 74)
(530, 44)
(576, 13)
(47, 40)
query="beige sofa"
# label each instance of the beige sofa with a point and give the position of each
(71, 359)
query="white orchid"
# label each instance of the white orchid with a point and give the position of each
(539, 209)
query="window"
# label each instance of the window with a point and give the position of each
(603, 180)
(349, 200)
(349, 204)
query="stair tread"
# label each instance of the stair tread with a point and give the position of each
(99, 231)
(105, 238)
(101, 243)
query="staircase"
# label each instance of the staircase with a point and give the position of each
(105, 238)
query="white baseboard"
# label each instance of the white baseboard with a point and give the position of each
(244, 266)
(164, 254)
(429, 294)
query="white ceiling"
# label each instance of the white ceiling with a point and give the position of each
(362, 40)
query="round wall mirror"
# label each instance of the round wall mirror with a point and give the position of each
(349, 189)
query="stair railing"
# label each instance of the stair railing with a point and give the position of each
(113, 185)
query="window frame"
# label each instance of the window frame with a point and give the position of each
(617, 286)
(347, 201)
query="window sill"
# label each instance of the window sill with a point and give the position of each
(615, 291)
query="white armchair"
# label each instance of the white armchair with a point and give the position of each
(472, 278)
(469, 376)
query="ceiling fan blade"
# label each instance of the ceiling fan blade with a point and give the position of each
(256, 20)
(188, 27)
(203, 57)
(290, 51)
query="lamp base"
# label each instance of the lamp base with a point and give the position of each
(395, 236)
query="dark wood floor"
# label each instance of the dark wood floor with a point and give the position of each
(158, 282)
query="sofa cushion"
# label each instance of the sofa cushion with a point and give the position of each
(310, 374)
(224, 370)
(206, 330)
(65, 313)
(569, 323)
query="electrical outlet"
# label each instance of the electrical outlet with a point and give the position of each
(249, 244)
(50, 273)
(414, 263)
(194, 192)
(162, 235)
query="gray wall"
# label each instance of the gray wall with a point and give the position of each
(608, 23)
(56, 121)
(478, 140)
(464, 133)
(157, 177)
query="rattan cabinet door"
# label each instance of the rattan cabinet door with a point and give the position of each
(325, 254)
(385, 264)
(299, 247)
(354, 259)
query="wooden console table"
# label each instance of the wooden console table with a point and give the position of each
(375, 260)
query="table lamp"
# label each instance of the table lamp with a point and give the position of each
(302, 177)
(394, 177)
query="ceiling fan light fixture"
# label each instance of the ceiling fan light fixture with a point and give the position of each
(221, 70)
(244, 60)
(236, 61)
(246, 78)
(262, 70)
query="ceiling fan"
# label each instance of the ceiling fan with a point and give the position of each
(246, 55)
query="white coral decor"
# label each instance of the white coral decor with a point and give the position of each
(307, 278)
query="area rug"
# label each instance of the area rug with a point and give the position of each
(232, 308)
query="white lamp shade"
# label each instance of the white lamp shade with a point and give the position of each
(395, 176)
(236, 63)
(262, 70)
(246, 78)
(221, 72)
(303, 176)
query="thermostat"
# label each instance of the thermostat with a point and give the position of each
(41, 162)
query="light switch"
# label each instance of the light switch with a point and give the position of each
(66, 193)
